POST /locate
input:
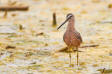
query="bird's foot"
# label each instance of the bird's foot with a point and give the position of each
(71, 65)
(78, 51)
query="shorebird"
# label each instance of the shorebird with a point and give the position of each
(72, 38)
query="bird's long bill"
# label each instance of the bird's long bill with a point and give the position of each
(63, 22)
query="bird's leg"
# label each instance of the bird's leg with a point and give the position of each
(77, 56)
(70, 57)
(70, 50)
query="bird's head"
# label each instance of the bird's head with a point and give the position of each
(68, 17)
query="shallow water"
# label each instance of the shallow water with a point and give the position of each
(36, 45)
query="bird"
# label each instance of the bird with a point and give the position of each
(71, 37)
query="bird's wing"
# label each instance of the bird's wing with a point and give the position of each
(64, 37)
(78, 36)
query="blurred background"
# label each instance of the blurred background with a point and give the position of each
(31, 44)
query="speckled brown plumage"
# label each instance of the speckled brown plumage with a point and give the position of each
(72, 38)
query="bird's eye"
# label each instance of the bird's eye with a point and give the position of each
(69, 16)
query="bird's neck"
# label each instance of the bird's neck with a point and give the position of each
(71, 24)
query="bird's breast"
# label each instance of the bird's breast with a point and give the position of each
(70, 39)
